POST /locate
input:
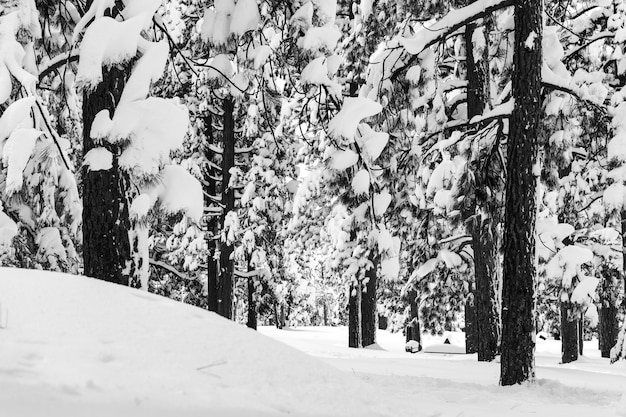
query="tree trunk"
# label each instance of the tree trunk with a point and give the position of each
(608, 326)
(471, 328)
(355, 339)
(413, 331)
(518, 298)
(252, 307)
(569, 335)
(581, 334)
(106, 223)
(252, 315)
(210, 176)
(225, 280)
(368, 304)
(487, 276)
(484, 234)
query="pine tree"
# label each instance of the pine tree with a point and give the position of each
(518, 298)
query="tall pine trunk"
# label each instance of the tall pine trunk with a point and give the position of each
(608, 326)
(483, 311)
(518, 298)
(471, 327)
(569, 334)
(210, 175)
(413, 331)
(355, 336)
(368, 304)
(106, 223)
(225, 280)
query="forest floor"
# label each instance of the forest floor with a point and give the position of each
(72, 346)
(445, 384)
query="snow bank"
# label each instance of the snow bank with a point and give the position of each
(77, 346)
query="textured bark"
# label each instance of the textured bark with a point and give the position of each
(355, 339)
(106, 247)
(484, 235)
(252, 313)
(569, 335)
(413, 331)
(487, 276)
(518, 298)
(368, 304)
(471, 327)
(225, 280)
(581, 334)
(213, 221)
(608, 326)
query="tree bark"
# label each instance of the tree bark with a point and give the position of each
(569, 335)
(518, 298)
(487, 276)
(413, 331)
(471, 328)
(369, 314)
(355, 339)
(225, 280)
(484, 234)
(252, 307)
(106, 223)
(213, 221)
(608, 326)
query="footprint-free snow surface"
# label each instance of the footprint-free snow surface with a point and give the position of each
(75, 346)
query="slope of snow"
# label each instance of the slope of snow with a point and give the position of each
(76, 346)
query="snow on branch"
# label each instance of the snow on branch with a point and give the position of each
(449, 24)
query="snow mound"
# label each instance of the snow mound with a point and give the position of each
(76, 346)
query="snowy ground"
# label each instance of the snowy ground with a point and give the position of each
(79, 347)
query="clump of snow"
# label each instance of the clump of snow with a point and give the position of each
(381, 202)
(317, 38)
(353, 110)
(98, 159)
(390, 268)
(373, 142)
(148, 69)
(155, 126)
(361, 182)
(221, 66)
(8, 229)
(140, 206)
(245, 17)
(50, 244)
(182, 192)
(16, 115)
(106, 42)
(565, 265)
(15, 156)
(344, 159)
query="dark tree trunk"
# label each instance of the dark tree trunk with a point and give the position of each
(484, 234)
(225, 280)
(487, 276)
(277, 320)
(106, 223)
(252, 314)
(471, 327)
(210, 179)
(581, 334)
(518, 298)
(413, 331)
(325, 311)
(368, 304)
(355, 339)
(569, 335)
(252, 307)
(608, 326)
